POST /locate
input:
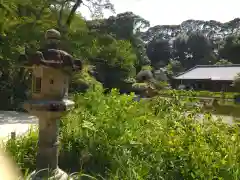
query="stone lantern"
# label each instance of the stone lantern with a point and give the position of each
(51, 69)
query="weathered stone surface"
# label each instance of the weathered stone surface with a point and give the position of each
(50, 55)
(57, 174)
(48, 102)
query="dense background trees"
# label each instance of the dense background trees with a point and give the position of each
(22, 28)
(113, 49)
(193, 43)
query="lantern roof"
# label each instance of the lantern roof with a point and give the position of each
(50, 55)
(52, 58)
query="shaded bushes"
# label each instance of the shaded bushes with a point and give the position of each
(83, 80)
(113, 137)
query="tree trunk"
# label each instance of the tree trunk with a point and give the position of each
(71, 15)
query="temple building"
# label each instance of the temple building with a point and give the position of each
(207, 77)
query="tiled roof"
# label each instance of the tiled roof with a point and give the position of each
(211, 72)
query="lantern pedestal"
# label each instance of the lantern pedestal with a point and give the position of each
(49, 113)
(57, 174)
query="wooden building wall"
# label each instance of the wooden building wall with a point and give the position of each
(207, 85)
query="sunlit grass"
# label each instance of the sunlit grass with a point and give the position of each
(114, 137)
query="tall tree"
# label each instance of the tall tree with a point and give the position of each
(231, 49)
(159, 52)
(126, 26)
(192, 49)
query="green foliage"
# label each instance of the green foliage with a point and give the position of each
(230, 49)
(223, 62)
(125, 26)
(25, 157)
(159, 52)
(117, 53)
(197, 93)
(111, 136)
(82, 81)
(162, 85)
(236, 82)
(174, 67)
(193, 42)
(22, 28)
(223, 109)
(114, 137)
(192, 49)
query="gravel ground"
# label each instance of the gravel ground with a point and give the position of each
(18, 122)
(225, 119)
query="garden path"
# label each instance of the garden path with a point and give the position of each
(18, 122)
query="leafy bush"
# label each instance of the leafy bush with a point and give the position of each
(113, 137)
(236, 82)
(197, 93)
(24, 150)
(82, 81)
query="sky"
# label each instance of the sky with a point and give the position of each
(169, 12)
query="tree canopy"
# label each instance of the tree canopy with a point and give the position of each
(22, 27)
(193, 42)
(114, 49)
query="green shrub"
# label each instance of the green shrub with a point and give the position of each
(113, 137)
(236, 82)
(82, 81)
(24, 150)
(197, 93)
